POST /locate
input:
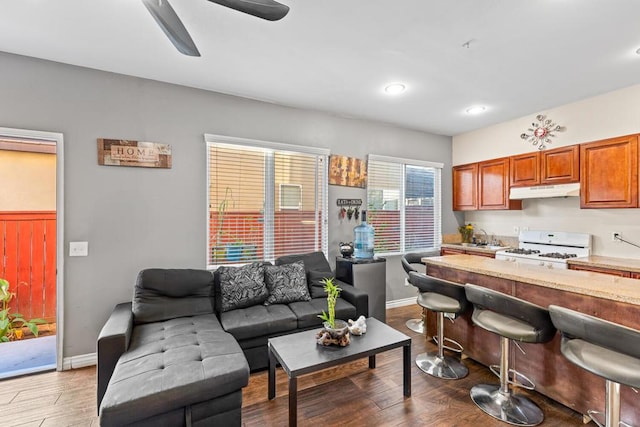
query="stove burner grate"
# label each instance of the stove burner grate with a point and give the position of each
(558, 255)
(521, 251)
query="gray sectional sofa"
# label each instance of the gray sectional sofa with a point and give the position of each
(180, 353)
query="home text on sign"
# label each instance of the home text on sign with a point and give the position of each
(139, 154)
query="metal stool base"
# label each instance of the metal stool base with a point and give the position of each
(445, 367)
(507, 407)
(416, 325)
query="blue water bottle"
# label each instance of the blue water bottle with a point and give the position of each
(363, 239)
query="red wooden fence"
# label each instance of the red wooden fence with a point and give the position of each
(28, 262)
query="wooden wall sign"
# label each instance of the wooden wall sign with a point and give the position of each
(121, 152)
(347, 171)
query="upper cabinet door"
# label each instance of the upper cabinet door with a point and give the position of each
(465, 187)
(609, 173)
(561, 165)
(525, 169)
(493, 185)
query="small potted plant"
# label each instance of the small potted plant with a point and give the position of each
(337, 329)
(466, 231)
(11, 324)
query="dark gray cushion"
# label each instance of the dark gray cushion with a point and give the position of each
(439, 303)
(258, 320)
(312, 261)
(242, 286)
(307, 311)
(162, 294)
(286, 283)
(173, 364)
(314, 280)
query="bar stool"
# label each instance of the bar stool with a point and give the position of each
(607, 349)
(442, 297)
(512, 319)
(416, 325)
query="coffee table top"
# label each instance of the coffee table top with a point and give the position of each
(299, 353)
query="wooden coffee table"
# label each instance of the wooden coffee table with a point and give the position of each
(299, 354)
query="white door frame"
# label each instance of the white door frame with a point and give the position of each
(58, 139)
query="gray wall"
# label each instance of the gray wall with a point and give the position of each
(134, 218)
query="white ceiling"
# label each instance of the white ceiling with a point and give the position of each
(524, 56)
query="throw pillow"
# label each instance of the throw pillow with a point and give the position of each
(286, 283)
(242, 286)
(316, 287)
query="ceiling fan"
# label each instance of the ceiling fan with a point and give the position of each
(169, 22)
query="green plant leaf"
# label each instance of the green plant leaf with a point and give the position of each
(33, 328)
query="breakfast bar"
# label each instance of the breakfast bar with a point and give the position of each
(612, 298)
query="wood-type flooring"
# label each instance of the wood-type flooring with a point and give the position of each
(349, 395)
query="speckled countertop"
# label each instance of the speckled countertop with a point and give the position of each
(607, 262)
(579, 282)
(473, 248)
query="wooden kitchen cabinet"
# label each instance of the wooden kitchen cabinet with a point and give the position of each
(557, 166)
(560, 165)
(525, 169)
(609, 173)
(465, 187)
(610, 271)
(635, 275)
(468, 251)
(450, 251)
(493, 185)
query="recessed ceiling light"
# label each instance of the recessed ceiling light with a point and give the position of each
(394, 88)
(477, 109)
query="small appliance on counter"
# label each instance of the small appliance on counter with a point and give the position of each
(346, 249)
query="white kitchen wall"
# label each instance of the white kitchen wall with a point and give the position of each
(613, 114)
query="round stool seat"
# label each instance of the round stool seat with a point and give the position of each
(607, 349)
(509, 316)
(512, 319)
(441, 297)
(439, 302)
(416, 325)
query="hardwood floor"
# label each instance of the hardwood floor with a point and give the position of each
(349, 395)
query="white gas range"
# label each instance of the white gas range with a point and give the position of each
(549, 249)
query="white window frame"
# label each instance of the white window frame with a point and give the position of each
(269, 197)
(402, 199)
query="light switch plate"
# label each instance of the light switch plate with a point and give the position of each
(78, 248)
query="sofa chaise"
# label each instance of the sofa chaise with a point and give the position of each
(180, 353)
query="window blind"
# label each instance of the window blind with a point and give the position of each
(404, 204)
(265, 200)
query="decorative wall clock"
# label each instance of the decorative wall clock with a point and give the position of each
(541, 132)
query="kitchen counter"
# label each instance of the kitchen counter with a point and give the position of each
(580, 282)
(608, 297)
(607, 262)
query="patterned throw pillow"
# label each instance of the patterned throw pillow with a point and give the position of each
(316, 287)
(286, 283)
(242, 286)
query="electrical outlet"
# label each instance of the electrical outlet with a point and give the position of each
(516, 229)
(615, 236)
(525, 228)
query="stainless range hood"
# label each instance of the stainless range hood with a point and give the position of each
(545, 191)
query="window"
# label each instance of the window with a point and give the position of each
(265, 200)
(404, 204)
(290, 196)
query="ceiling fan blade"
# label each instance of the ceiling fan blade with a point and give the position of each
(266, 9)
(167, 19)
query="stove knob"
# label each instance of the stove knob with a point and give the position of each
(512, 260)
(541, 264)
(549, 265)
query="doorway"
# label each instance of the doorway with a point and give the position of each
(31, 250)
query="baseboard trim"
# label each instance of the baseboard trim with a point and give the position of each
(80, 361)
(401, 302)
